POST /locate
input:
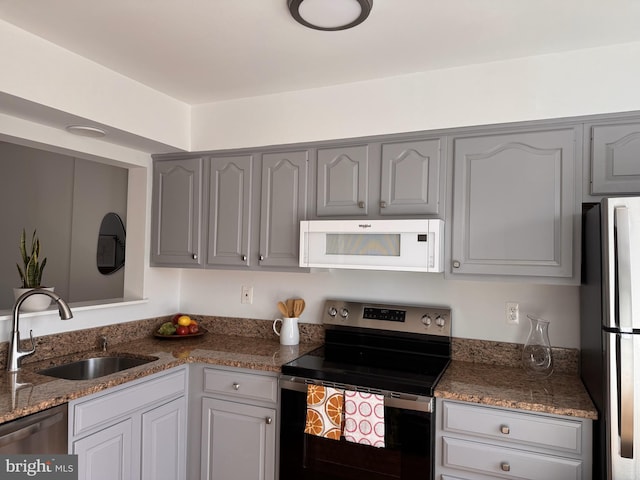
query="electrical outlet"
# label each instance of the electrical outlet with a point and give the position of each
(247, 294)
(512, 313)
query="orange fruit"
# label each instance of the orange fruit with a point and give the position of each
(314, 424)
(315, 394)
(184, 320)
(333, 434)
(333, 409)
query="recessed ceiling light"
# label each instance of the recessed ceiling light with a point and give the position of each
(85, 131)
(330, 14)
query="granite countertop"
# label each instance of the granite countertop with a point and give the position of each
(27, 392)
(511, 387)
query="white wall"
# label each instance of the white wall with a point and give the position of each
(599, 80)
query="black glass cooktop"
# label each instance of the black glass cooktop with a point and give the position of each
(415, 374)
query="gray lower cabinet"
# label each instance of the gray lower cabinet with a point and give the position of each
(477, 442)
(176, 213)
(615, 158)
(135, 431)
(379, 179)
(515, 203)
(234, 422)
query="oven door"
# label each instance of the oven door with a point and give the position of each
(409, 437)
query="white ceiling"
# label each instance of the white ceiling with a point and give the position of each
(201, 51)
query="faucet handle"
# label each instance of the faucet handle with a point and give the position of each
(33, 345)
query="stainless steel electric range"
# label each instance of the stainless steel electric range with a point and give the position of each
(397, 351)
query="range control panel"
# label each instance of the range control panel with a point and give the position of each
(399, 318)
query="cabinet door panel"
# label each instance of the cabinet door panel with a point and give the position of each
(107, 454)
(615, 159)
(514, 204)
(238, 441)
(283, 205)
(342, 183)
(176, 212)
(229, 210)
(164, 441)
(410, 178)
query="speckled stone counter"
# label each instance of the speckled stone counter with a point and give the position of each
(511, 387)
(27, 392)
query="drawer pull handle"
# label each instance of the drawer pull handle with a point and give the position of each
(505, 429)
(361, 204)
(236, 386)
(505, 467)
(268, 420)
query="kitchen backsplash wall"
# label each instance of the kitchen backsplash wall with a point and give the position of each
(478, 308)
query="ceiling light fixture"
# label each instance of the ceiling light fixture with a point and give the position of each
(330, 14)
(85, 131)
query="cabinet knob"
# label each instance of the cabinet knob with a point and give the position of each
(361, 204)
(236, 386)
(505, 467)
(194, 256)
(383, 204)
(505, 429)
(261, 257)
(456, 264)
(268, 420)
(244, 258)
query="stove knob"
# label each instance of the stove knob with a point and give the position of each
(426, 320)
(333, 312)
(440, 321)
(344, 313)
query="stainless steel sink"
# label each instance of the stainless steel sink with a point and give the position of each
(96, 367)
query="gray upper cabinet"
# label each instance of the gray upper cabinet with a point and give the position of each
(379, 179)
(342, 182)
(176, 220)
(283, 205)
(615, 158)
(229, 210)
(514, 203)
(410, 178)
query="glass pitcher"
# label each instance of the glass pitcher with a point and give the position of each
(536, 355)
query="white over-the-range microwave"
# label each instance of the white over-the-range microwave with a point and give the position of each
(414, 245)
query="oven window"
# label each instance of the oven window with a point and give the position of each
(369, 244)
(407, 454)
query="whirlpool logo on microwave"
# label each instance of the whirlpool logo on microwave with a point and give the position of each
(50, 467)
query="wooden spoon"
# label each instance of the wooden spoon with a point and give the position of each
(290, 307)
(283, 309)
(298, 307)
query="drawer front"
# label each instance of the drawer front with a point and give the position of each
(245, 385)
(530, 429)
(110, 406)
(502, 462)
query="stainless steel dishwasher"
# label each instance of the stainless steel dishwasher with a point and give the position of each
(42, 432)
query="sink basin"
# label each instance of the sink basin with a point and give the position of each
(96, 367)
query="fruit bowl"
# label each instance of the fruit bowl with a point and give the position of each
(175, 336)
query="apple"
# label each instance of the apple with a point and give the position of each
(175, 318)
(193, 328)
(182, 330)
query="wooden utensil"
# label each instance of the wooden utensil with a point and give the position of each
(290, 307)
(283, 309)
(298, 307)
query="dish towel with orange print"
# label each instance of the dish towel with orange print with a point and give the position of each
(324, 412)
(364, 418)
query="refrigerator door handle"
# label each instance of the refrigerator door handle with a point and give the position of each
(623, 267)
(626, 396)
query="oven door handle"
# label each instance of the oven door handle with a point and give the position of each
(402, 401)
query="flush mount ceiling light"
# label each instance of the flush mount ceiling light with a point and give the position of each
(330, 14)
(85, 131)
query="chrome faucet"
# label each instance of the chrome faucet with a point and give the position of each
(15, 354)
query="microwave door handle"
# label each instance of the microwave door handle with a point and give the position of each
(623, 285)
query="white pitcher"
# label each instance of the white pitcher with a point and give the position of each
(289, 334)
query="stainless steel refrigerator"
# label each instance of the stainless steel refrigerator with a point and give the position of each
(610, 332)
